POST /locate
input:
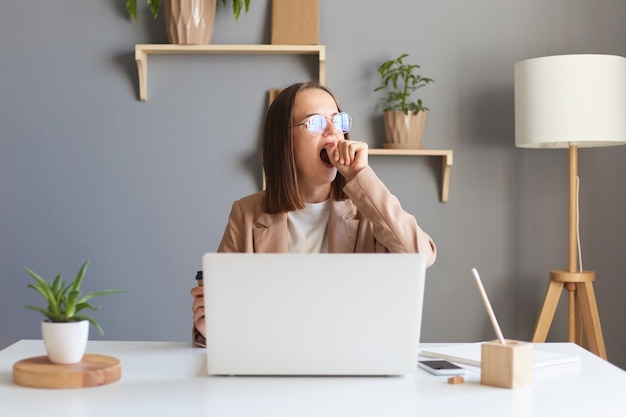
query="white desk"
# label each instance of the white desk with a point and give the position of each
(170, 379)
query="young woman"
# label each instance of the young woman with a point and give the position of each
(321, 195)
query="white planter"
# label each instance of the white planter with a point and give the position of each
(65, 342)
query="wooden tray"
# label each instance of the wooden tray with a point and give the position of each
(93, 370)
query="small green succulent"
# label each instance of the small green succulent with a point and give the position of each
(64, 300)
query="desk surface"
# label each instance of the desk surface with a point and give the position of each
(170, 379)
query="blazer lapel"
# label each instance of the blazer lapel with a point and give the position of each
(270, 233)
(343, 227)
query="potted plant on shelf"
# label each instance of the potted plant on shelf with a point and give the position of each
(188, 22)
(404, 118)
(65, 330)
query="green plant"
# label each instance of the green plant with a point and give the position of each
(131, 7)
(400, 81)
(64, 300)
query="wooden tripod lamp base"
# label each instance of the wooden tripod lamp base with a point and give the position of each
(581, 304)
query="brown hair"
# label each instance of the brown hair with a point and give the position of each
(281, 176)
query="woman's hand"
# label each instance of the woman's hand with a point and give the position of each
(349, 157)
(198, 309)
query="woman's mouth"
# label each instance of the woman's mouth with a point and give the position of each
(324, 157)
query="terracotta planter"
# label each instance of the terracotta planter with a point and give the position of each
(189, 22)
(65, 342)
(404, 131)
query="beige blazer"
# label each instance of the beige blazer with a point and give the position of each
(371, 220)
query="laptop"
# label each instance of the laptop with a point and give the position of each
(313, 314)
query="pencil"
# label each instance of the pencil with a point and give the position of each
(492, 316)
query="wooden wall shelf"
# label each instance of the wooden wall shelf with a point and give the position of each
(143, 50)
(446, 164)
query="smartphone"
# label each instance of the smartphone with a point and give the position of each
(441, 367)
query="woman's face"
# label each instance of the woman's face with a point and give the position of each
(315, 173)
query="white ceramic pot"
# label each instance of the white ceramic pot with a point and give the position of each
(65, 342)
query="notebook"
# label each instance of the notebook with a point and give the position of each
(469, 354)
(313, 314)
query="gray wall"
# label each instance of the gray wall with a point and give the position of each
(142, 189)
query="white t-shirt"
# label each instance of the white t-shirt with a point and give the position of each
(308, 228)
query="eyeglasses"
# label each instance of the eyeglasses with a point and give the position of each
(316, 123)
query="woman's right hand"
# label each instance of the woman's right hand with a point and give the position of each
(198, 309)
(348, 156)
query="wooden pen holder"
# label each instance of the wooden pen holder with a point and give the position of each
(506, 366)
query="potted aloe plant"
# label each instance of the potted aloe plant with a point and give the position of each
(187, 21)
(404, 117)
(66, 329)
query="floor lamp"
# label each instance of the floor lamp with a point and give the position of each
(571, 101)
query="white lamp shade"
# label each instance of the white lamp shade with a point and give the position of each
(568, 100)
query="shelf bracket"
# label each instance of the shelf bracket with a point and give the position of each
(446, 163)
(446, 166)
(141, 56)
